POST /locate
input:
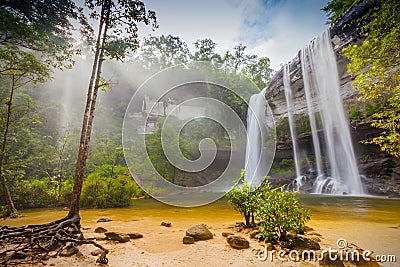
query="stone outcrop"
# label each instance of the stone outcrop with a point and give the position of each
(380, 173)
(344, 32)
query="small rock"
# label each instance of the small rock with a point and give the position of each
(316, 239)
(238, 229)
(69, 251)
(269, 245)
(19, 255)
(304, 242)
(117, 237)
(166, 224)
(199, 232)
(256, 251)
(253, 233)
(308, 229)
(104, 220)
(226, 234)
(96, 252)
(291, 234)
(240, 224)
(100, 230)
(328, 262)
(238, 242)
(85, 228)
(135, 235)
(188, 240)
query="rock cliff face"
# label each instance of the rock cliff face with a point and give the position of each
(382, 174)
(344, 32)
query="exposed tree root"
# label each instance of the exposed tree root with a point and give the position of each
(34, 243)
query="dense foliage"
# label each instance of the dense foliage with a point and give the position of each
(274, 210)
(375, 63)
(336, 8)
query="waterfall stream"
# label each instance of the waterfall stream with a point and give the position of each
(290, 107)
(321, 83)
(255, 169)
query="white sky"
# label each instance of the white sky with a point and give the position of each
(273, 28)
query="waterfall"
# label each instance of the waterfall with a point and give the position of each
(321, 85)
(290, 107)
(255, 169)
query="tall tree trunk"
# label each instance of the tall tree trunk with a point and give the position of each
(10, 203)
(89, 110)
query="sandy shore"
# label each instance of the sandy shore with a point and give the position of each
(162, 246)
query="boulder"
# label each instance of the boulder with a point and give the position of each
(188, 240)
(238, 242)
(226, 234)
(199, 232)
(117, 237)
(104, 220)
(134, 235)
(100, 230)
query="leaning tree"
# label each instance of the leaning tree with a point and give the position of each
(116, 36)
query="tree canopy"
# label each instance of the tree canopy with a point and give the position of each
(375, 63)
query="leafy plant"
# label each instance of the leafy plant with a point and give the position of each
(244, 199)
(279, 212)
(274, 210)
(101, 191)
(375, 63)
(355, 114)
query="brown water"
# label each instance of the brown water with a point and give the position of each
(371, 223)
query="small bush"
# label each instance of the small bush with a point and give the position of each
(355, 114)
(109, 192)
(275, 211)
(244, 199)
(280, 213)
(34, 193)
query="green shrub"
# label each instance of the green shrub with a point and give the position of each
(275, 211)
(371, 109)
(355, 114)
(4, 212)
(34, 193)
(244, 199)
(279, 212)
(108, 192)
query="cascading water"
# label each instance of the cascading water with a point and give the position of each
(321, 84)
(255, 169)
(290, 107)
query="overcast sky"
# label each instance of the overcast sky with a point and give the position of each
(273, 28)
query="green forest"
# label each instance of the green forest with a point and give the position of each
(40, 130)
(68, 70)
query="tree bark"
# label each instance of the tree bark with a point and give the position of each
(89, 110)
(10, 204)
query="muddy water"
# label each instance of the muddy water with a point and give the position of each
(371, 223)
